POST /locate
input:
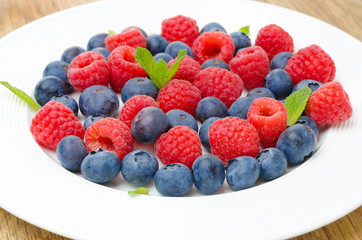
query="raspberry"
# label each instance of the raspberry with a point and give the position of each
(123, 66)
(213, 45)
(233, 137)
(269, 117)
(133, 106)
(53, 122)
(180, 28)
(180, 144)
(132, 37)
(188, 69)
(219, 83)
(88, 69)
(274, 39)
(179, 94)
(252, 66)
(109, 134)
(329, 104)
(313, 63)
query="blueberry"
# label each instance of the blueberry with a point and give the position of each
(173, 180)
(260, 92)
(174, 47)
(59, 69)
(211, 107)
(209, 173)
(215, 63)
(297, 142)
(312, 84)
(91, 119)
(47, 88)
(101, 166)
(279, 82)
(273, 163)
(149, 124)
(142, 31)
(213, 26)
(164, 56)
(241, 40)
(97, 41)
(139, 167)
(240, 108)
(98, 99)
(309, 122)
(104, 51)
(71, 151)
(242, 172)
(156, 43)
(138, 86)
(68, 101)
(280, 60)
(70, 53)
(178, 117)
(204, 132)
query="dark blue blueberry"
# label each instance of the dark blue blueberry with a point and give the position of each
(91, 119)
(279, 82)
(98, 99)
(297, 142)
(280, 60)
(104, 51)
(97, 41)
(312, 84)
(309, 122)
(101, 166)
(242, 172)
(142, 31)
(71, 151)
(240, 108)
(241, 40)
(204, 132)
(209, 173)
(139, 167)
(70, 53)
(178, 117)
(260, 92)
(68, 101)
(211, 107)
(47, 88)
(149, 124)
(215, 63)
(138, 86)
(174, 47)
(273, 163)
(212, 27)
(173, 180)
(164, 56)
(59, 69)
(156, 43)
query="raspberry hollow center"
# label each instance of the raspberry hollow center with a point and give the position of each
(106, 143)
(213, 49)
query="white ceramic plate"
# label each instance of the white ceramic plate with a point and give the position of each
(34, 187)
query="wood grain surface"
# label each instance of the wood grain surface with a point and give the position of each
(344, 14)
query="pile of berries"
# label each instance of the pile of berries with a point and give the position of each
(201, 109)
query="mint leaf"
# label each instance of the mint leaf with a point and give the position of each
(295, 104)
(245, 30)
(111, 32)
(25, 97)
(141, 190)
(176, 65)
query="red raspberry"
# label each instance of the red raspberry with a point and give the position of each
(329, 104)
(269, 117)
(110, 134)
(123, 66)
(233, 137)
(274, 39)
(132, 37)
(311, 63)
(213, 45)
(53, 122)
(133, 105)
(88, 69)
(220, 83)
(180, 28)
(252, 66)
(180, 144)
(188, 69)
(179, 94)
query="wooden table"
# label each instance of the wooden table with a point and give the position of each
(344, 14)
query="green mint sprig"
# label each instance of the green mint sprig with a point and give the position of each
(25, 97)
(295, 104)
(158, 72)
(245, 29)
(141, 190)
